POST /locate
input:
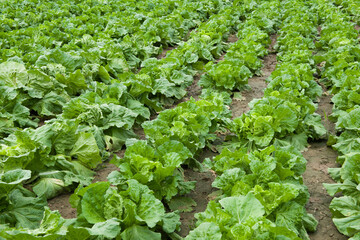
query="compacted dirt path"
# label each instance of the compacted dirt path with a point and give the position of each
(200, 194)
(320, 157)
(257, 83)
(61, 203)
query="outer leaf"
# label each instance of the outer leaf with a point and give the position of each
(150, 210)
(139, 233)
(92, 204)
(86, 150)
(108, 229)
(25, 210)
(346, 212)
(205, 231)
(13, 74)
(243, 208)
(10, 179)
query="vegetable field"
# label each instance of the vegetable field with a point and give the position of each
(169, 119)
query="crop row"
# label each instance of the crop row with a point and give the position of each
(351, 7)
(339, 57)
(259, 170)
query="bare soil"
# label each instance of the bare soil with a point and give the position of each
(140, 133)
(320, 157)
(257, 83)
(233, 38)
(200, 194)
(163, 53)
(194, 90)
(61, 203)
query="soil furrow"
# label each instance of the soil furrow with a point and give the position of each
(61, 204)
(200, 194)
(257, 83)
(194, 90)
(320, 157)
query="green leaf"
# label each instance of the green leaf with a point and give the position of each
(24, 209)
(58, 56)
(182, 204)
(13, 74)
(205, 231)
(51, 223)
(108, 229)
(263, 132)
(150, 210)
(86, 150)
(49, 187)
(171, 222)
(10, 179)
(349, 121)
(92, 204)
(117, 116)
(277, 194)
(355, 237)
(139, 233)
(243, 208)
(346, 211)
(77, 233)
(115, 138)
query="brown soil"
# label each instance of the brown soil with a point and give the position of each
(163, 53)
(232, 38)
(105, 169)
(325, 109)
(320, 157)
(200, 194)
(194, 90)
(61, 203)
(257, 83)
(140, 133)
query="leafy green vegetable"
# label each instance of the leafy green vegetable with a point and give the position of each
(157, 168)
(135, 206)
(21, 209)
(192, 123)
(346, 214)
